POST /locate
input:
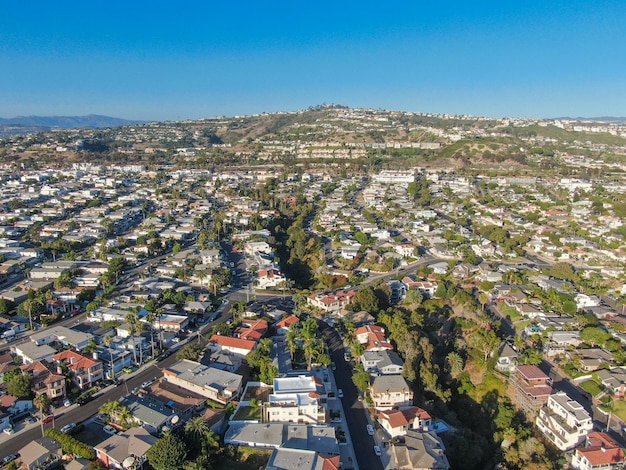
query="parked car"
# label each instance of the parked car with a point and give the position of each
(86, 399)
(9, 431)
(127, 370)
(101, 418)
(340, 393)
(30, 420)
(377, 451)
(48, 419)
(370, 429)
(109, 430)
(67, 402)
(9, 458)
(68, 428)
(333, 366)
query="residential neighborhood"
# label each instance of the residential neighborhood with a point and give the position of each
(301, 311)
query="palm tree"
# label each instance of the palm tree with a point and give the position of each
(195, 429)
(29, 305)
(291, 338)
(43, 404)
(158, 313)
(133, 320)
(151, 318)
(108, 340)
(110, 408)
(125, 417)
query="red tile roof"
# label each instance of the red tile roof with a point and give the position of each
(230, 342)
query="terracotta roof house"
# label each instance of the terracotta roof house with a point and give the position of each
(600, 452)
(235, 345)
(398, 422)
(84, 370)
(46, 379)
(373, 338)
(283, 326)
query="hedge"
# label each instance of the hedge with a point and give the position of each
(71, 445)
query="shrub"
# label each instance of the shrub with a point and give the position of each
(71, 445)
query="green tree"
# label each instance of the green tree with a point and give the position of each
(594, 336)
(191, 352)
(20, 385)
(168, 453)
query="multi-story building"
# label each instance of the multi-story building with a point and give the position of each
(46, 380)
(389, 391)
(564, 421)
(532, 387)
(215, 384)
(294, 408)
(84, 371)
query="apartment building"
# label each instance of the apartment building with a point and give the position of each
(564, 421)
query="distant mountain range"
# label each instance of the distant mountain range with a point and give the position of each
(31, 124)
(67, 122)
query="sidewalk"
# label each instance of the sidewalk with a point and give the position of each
(348, 457)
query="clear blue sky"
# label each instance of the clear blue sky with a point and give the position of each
(180, 60)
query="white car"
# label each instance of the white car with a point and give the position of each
(370, 429)
(68, 427)
(109, 430)
(340, 393)
(66, 402)
(377, 451)
(9, 431)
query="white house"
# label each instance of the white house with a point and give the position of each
(398, 422)
(564, 421)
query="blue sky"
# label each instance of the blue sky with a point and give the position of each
(187, 60)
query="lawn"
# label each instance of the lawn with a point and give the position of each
(247, 459)
(619, 409)
(591, 386)
(247, 413)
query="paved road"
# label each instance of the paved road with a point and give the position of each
(355, 415)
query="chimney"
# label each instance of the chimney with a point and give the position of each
(59, 370)
(95, 355)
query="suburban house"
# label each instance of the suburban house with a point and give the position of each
(373, 338)
(270, 278)
(383, 362)
(237, 346)
(215, 384)
(389, 391)
(398, 422)
(614, 381)
(154, 416)
(421, 450)
(30, 352)
(85, 371)
(128, 447)
(45, 380)
(600, 452)
(331, 301)
(283, 326)
(426, 288)
(252, 330)
(62, 335)
(532, 387)
(507, 357)
(564, 421)
(40, 453)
